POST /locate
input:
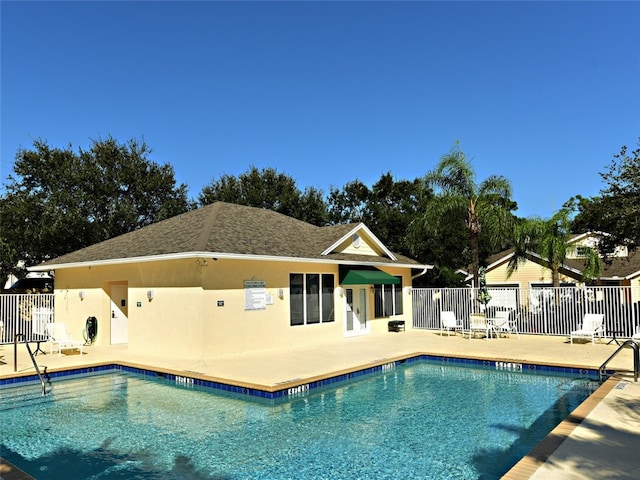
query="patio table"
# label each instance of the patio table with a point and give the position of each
(38, 341)
(615, 336)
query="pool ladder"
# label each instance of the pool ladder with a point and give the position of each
(636, 359)
(33, 360)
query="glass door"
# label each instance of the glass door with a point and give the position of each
(357, 312)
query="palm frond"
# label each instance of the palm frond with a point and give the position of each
(453, 175)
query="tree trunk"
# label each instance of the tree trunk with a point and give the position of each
(555, 276)
(475, 258)
(474, 231)
(555, 279)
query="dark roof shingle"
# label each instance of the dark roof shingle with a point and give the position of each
(223, 228)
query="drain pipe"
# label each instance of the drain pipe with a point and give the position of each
(426, 268)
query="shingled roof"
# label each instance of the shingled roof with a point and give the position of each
(612, 267)
(226, 229)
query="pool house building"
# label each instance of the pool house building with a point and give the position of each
(227, 278)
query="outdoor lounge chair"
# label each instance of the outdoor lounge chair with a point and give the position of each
(592, 325)
(59, 336)
(449, 322)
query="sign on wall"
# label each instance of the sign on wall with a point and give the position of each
(255, 295)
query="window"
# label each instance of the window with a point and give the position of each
(582, 251)
(311, 298)
(388, 300)
(296, 299)
(327, 298)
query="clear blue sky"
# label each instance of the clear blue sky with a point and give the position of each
(543, 93)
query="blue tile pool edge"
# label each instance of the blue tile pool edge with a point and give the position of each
(301, 387)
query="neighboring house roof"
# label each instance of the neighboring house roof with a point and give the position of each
(613, 268)
(225, 230)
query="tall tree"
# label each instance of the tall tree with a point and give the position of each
(391, 207)
(387, 208)
(485, 207)
(57, 201)
(551, 239)
(349, 204)
(269, 189)
(617, 210)
(312, 208)
(9, 260)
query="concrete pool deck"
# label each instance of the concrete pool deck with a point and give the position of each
(601, 439)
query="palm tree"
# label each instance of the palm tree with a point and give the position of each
(485, 207)
(551, 239)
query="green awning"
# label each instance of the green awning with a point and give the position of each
(369, 277)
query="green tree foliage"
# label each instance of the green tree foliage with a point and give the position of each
(617, 210)
(387, 209)
(138, 192)
(269, 189)
(446, 245)
(311, 207)
(9, 263)
(551, 240)
(441, 276)
(481, 210)
(349, 204)
(58, 201)
(391, 208)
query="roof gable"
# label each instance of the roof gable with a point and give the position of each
(623, 265)
(360, 241)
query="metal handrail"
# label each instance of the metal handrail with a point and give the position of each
(636, 358)
(33, 360)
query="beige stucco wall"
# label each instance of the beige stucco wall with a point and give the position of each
(198, 309)
(527, 273)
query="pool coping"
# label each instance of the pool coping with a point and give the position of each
(8, 471)
(295, 387)
(539, 454)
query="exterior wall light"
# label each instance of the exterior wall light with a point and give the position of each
(81, 294)
(150, 294)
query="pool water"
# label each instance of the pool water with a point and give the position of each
(419, 420)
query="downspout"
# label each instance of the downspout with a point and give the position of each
(421, 273)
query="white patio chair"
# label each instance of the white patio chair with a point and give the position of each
(448, 322)
(500, 321)
(513, 324)
(636, 334)
(478, 324)
(59, 336)
(505, 322)
(592, 325)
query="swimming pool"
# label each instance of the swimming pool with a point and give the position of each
(413, 421)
